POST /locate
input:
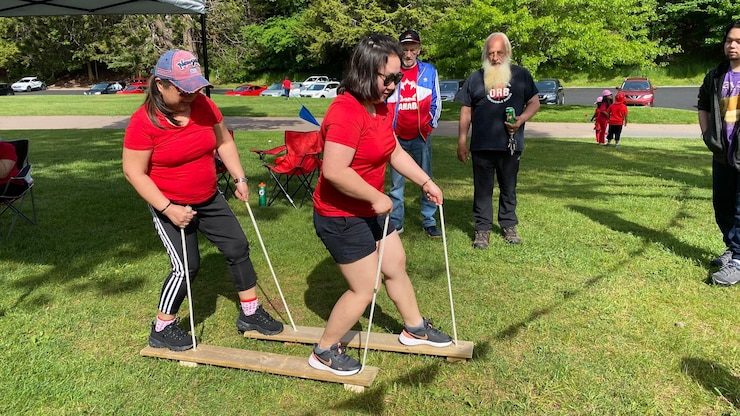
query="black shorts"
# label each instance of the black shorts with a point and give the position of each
(349, 239)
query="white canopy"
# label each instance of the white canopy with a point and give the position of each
(10, 8)
(15, 8)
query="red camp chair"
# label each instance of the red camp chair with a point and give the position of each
(294, 166)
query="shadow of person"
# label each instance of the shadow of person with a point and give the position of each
(325, 285)
(715, 378)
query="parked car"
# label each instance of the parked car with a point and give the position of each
(5, 89)
(133, 89)
(28, 84)
(276, 90)
(138, 81)
(449, 89)
(314, 79)
(638, 91)
(110, 87)
(321, 90)
(247, 89)
(551, 91)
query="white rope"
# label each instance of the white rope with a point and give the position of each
(269, 263)
(187, 281)
(447, 267)
(375, 289)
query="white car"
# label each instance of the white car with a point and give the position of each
(276, 90)
(321, 90)
(28, 84)
(314, 79)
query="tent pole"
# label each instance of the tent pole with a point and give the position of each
(204, 42)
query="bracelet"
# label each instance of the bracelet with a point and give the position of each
(240, 180)
(425, 182)
(165, 208)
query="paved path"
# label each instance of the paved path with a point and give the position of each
(446, 128)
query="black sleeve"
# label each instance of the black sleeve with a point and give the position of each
(705, 96)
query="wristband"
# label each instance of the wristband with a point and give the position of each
(165, 208)
(240, 180)
(425, 182)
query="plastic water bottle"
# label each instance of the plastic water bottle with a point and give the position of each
(262, 192)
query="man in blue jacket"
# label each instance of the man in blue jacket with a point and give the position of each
(416, 106)
(719, 120)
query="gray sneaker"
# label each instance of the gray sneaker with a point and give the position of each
(728, 275)
(722, 260)
(481, 239)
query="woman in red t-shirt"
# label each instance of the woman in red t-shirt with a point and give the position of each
(169, 158)
(350, 207)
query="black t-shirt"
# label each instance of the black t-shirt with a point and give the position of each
(489, 108)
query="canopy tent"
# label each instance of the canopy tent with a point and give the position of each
(10, 8)
(15, 8)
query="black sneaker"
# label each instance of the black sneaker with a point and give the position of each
(261, 322)
(428, 335)
(432, 232)
(335, 360)
(172, 337)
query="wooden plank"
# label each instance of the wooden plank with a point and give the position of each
(286, 365)
(378, 341)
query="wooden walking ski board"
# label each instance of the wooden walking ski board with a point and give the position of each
(286, 365)
(378, 341)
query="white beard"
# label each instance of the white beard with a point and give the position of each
(496, 76)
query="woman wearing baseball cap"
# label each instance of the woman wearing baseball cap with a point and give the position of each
(168, 157)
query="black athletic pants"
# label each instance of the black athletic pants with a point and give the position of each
(217, 222)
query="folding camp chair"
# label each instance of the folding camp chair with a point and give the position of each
(13, 194)
(294, 166)
(223, 179)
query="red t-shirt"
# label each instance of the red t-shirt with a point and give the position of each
(182, 164)
(617, 112)
(7, 152)
(348, 123)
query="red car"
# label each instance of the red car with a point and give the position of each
(247, 89)
(138, 81)
(638, 91)
(133, 89)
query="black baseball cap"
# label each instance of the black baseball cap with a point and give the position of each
(409, 36)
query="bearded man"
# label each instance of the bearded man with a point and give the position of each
(496, 145)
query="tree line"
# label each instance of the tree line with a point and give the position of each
(274, 38)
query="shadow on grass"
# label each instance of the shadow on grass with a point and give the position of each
(715, 378)
(372, 401)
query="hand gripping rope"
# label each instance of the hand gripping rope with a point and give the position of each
(187, 280)
(269, 263)
(375, 289)
(447, 267)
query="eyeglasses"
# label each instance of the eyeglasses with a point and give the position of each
(391, 79)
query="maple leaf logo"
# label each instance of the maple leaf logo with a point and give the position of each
(407, 89)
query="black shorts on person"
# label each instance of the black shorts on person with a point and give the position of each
(349, 239)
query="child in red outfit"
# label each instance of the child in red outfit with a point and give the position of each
(602, 120)
(617, 118)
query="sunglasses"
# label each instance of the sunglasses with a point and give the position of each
(183, 93)
(391, 79)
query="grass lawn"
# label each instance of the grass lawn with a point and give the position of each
(603, 310)
(113, 105)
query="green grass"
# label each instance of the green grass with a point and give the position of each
(111, 105)
(603, 310)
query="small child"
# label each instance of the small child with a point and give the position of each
(617, 118)
(601, 120)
